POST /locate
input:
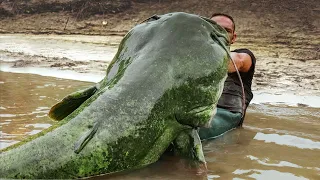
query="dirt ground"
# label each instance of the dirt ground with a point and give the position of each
(284, 36)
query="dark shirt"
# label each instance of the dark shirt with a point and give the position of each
(231, 98)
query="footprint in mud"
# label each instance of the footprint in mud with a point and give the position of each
(69, 64)
(21, 63)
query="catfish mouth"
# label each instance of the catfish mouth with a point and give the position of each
(204, 111)
(199, 116)
(201, 109)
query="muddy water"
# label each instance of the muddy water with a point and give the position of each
(277, 141)
(280, 139)
(25, 102)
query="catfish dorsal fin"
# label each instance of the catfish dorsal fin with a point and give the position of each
(84, 139)
(70, 103)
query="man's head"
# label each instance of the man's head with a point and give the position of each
(227, 22)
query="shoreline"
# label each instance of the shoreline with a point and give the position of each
(92, 54)
(85, 55)
(58, 32)
(260, 96)
(283, 92)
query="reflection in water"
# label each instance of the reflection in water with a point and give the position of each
(239, 154)
(45, 126)
(33, 132)
(268, 174)
(6, 143)
(244, 153)
(7, 115)
(168, 167)
(286, 99)
(288, 140)
(213, 177)
(280, 164)
(240, 149)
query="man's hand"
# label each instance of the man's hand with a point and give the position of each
(242, 60)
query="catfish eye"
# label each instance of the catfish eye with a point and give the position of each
(152, 18)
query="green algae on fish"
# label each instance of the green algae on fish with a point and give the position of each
(164, 81)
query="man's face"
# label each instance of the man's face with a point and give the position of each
(227, 24)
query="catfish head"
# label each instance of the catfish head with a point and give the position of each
(197, 59)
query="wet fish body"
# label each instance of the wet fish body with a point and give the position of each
(165, 79)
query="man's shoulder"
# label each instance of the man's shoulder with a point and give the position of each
(243, 50)
(252, 64)
(247, 51)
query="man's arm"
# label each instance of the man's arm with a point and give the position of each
(242, 60)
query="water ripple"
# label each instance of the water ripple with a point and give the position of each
(288, 140)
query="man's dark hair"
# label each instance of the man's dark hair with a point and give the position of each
(225, 15)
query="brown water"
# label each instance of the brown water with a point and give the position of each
(25, 101)
(277, 141)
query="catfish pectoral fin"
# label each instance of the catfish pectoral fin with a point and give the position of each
(188, 145)
(82, 142)
(197, 146)
(70, 103)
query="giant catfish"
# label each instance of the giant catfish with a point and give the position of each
(164, 81)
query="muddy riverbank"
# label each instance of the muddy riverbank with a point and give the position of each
(92, 54)
(284, 35)
(285, 29)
